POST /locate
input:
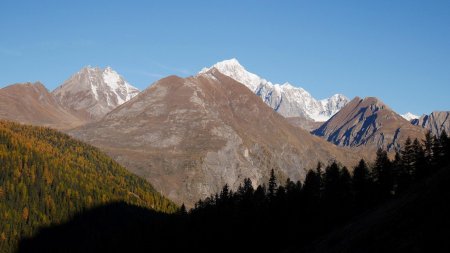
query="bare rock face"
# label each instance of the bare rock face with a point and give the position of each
(190, 136)
(436, 122)
(368, 123)
(93, 92)
(31, 103)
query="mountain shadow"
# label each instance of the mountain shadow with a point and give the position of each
(115, 227)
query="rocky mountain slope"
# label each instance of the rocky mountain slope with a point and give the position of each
(368, 123)
(31, 103)
(94, 92)
(191, 136)
(285, 99)
(435, 122)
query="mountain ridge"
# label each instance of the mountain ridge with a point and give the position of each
(32, 103)
(286, 99)
(435, 122)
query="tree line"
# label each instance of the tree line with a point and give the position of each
(294, 213)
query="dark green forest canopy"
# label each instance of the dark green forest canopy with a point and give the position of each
(46, 177)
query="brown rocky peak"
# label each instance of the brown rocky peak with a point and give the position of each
(369, 123)
(31, 103)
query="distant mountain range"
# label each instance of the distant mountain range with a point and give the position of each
(285, 99)
(190, 136)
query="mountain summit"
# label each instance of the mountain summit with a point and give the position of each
(285, 99)
(31, 103)
(368, 122)
(94, 91)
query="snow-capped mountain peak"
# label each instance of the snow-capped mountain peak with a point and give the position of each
(95, 90)
(409, 116)
(235, 70)
(122, 89)
(288, 100)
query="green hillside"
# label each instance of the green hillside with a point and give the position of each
(46, 177)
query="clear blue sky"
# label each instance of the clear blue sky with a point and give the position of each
(398, 51)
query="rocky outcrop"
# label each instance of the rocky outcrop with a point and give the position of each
(435, 122)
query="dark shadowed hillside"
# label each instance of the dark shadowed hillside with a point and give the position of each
(417, 222)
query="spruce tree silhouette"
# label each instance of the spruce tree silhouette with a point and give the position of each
(272, 184)
(362, 183)
(420, 162)
(312, 187)
(444, 141)
(428, 147)
(331, 185)
(383, 175)
(345, 187)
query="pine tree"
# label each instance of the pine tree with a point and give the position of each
(383, 175)
(407, 155)
(182, 210)
(420, 162)
(428, 147)
(272, 184)
(331, 183)
(225, 193)
(345, 188)
(437, 152)
(445, 147)
(361, 184)
(311, 186)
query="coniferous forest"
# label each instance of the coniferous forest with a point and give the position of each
(46, 177)
(275, 217)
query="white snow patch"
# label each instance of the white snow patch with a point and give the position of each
(119, 88)
(409, 116)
